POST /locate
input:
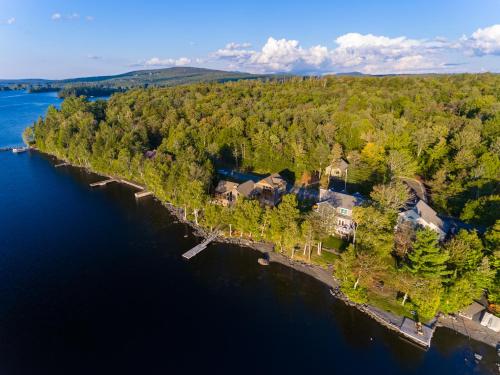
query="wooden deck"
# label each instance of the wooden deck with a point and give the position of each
(200, 247)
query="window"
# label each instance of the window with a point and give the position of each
(344, 211)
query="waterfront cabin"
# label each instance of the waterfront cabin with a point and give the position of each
(246, 189)
(270, 189)
(226, 193)
(423, 215)
(340, 205)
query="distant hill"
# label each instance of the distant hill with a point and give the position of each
(165, 77)
(105, 85)
(351, 74)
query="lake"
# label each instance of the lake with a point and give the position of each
(93, 282)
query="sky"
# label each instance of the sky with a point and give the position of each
(73, 38)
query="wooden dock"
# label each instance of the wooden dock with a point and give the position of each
(200, 247)
(132, 184)
(61, 165)
(141, 194)
(102, 183)
(422, 336)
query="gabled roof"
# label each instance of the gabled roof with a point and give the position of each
(225, 186)
(428, 214)
(275, 180)
(245, 189)
(339, 199)
(341, 164)
(471, 310)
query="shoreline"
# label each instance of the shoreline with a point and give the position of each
(325, 276)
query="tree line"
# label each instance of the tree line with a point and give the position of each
(441, 129)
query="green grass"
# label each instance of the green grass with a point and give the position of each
(332, 242)
(389, 303)
(326, 258)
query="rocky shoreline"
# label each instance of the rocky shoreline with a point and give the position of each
(325, 276)
(387, 319)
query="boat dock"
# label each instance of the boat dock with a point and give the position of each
(132, 184)
(420, 333)
(200, 247)
(141, 194)
(12, 148)
(102, 183)
(61, 165)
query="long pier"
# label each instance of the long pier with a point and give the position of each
(200, 247)
(132, 184)
(141, 194)
(102, 183)
(9, 148)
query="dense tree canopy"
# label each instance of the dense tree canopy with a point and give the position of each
(444, 130)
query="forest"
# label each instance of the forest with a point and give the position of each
(441, 129)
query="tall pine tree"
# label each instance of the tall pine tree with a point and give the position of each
(427, 259)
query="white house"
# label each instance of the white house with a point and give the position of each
(423, 215)
(340, 205)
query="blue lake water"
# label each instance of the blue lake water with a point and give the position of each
(93, 282)
(18, 109)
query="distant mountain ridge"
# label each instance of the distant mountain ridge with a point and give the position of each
(104, 85)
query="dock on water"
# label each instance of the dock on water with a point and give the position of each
(61, 165)
(420, 333)
(141, 194)
(132, 184)
(102, 183)
(200, 247)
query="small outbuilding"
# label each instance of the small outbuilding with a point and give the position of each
(473, 312)
(491, 321)
(337, 169)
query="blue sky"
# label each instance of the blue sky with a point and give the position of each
(68, 38)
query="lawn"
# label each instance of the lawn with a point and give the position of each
(332, 242)
(326, 258)
(389, 303)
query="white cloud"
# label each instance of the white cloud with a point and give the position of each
(353, 51)
(367, 53)
(276, 55)
(155, 61)
(483, 41)
(11, 21)
(234, 51)
(72, 16)
(381, 55)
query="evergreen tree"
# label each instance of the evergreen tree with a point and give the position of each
(427, 258)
